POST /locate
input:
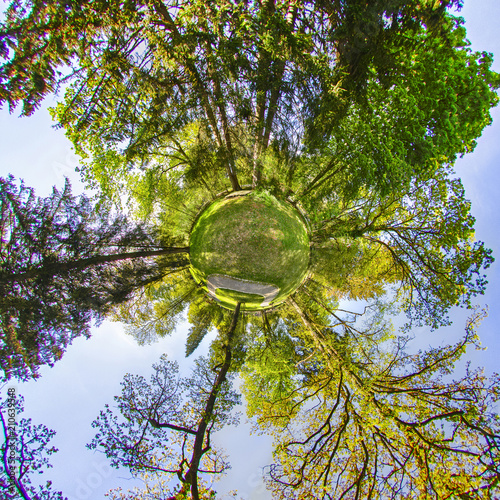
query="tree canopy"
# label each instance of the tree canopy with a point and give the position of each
(249, 75)
(63, 264)
(183, 413)
(352, 112)
(353, 417)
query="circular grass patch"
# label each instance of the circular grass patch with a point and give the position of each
(255, 238)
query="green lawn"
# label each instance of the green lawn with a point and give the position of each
(229, 299)
(254, 237)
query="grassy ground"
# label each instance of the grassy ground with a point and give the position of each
(229, 298)
(253, 237)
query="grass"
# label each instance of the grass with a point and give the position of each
(254, 237)
(229, 299)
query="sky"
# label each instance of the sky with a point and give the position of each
(68, 397)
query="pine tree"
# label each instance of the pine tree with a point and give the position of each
(62, 265)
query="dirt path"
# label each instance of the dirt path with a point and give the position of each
(269, 292)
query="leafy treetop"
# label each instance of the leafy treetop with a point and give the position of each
(250, 75)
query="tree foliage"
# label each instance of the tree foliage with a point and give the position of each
(250, 75)
(63, 264)
(353, 111)
(156, 310)
(181, 412)
(420, 238)
(362, 420)
(155, 489)
(203, 315)
(25, 451)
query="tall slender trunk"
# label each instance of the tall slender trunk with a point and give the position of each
(262, 74)
(191, 476)
(200, 85)
(62, 267)
(231, 166)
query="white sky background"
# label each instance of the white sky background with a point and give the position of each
(69, 396)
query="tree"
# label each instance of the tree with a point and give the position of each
(351, 269)
(62, 264)
(419, 240)
(273, 359)
(203, 315)
(249, 76)
(155, 311)
(361, 420)
(352, 109)
(155, 489)
(24, 451)
(183, 412)
(355, 110)
(407, 129)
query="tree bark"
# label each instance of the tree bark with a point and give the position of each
(271, 73)
(191, 476)
(207, 103)
(60, 268)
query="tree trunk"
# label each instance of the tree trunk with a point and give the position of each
(232, 177)
(59, 268)
(191, 476)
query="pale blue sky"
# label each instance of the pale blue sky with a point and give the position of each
(68, 397)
